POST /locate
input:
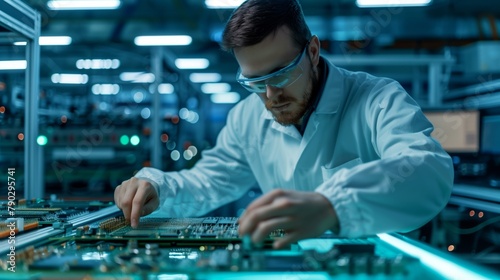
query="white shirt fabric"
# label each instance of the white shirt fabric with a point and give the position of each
(367, 148)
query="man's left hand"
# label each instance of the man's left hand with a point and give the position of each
(300, 214)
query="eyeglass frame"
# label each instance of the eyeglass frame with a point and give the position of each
(290, 67)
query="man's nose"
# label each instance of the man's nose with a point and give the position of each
(273, 92)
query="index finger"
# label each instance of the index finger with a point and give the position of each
(137, 204)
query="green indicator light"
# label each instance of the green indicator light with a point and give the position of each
(42, 140)
(124, 140)
(135, 140)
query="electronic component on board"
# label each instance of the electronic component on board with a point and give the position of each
(85, 241)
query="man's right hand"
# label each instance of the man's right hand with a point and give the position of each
(136, 198)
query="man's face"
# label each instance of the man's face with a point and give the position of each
(289, 103)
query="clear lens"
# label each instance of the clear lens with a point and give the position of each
(257, 87)
(285, 79)
(279, 79)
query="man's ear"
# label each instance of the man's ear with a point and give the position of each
(314, 50)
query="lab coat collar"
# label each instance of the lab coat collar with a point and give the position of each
(266, 114)
(333, 91)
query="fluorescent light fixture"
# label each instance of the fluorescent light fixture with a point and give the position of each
(225, 98)
(166, 40)
(146, 78)
(223, 4)
(137, 77)
(391, 3)
(192, 63)
(205, 77)
(215, 88)
(447, 268)
(130, 76)
(165, 88)
(105, 89)
(13, 64)
(70, 79)
(54, 40)
(49, 41)
(97, 63)
(83, 4)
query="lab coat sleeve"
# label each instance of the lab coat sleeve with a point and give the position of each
(407, 186)
(220, 176)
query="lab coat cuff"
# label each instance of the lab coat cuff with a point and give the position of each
(349, 214)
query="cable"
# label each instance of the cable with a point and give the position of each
(486, 251)
(476, 241)
(458, 230)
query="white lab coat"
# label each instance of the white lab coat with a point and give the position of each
(367, 148)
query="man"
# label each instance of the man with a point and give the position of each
(331, 149)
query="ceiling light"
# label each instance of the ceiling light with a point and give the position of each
(165, 88)
(167, 40)
(129, 76)
(69, 79)
(215, 87)
(105, 89)
(145, 78)
(205, 77)
(54, 40)
(83, 4)
(13, 64)
(137, 77)
(49, 41)
(192, 63)
(394, 3)
(223, 4)
(97, 63)
(225, 98)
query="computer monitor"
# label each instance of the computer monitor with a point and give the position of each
(456, 130)
(490, 136)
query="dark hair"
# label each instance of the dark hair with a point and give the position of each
(254, 20)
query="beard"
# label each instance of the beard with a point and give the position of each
(299, 108)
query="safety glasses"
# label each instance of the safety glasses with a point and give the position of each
(280, 79)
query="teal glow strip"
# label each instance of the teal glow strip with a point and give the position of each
(445, 267)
